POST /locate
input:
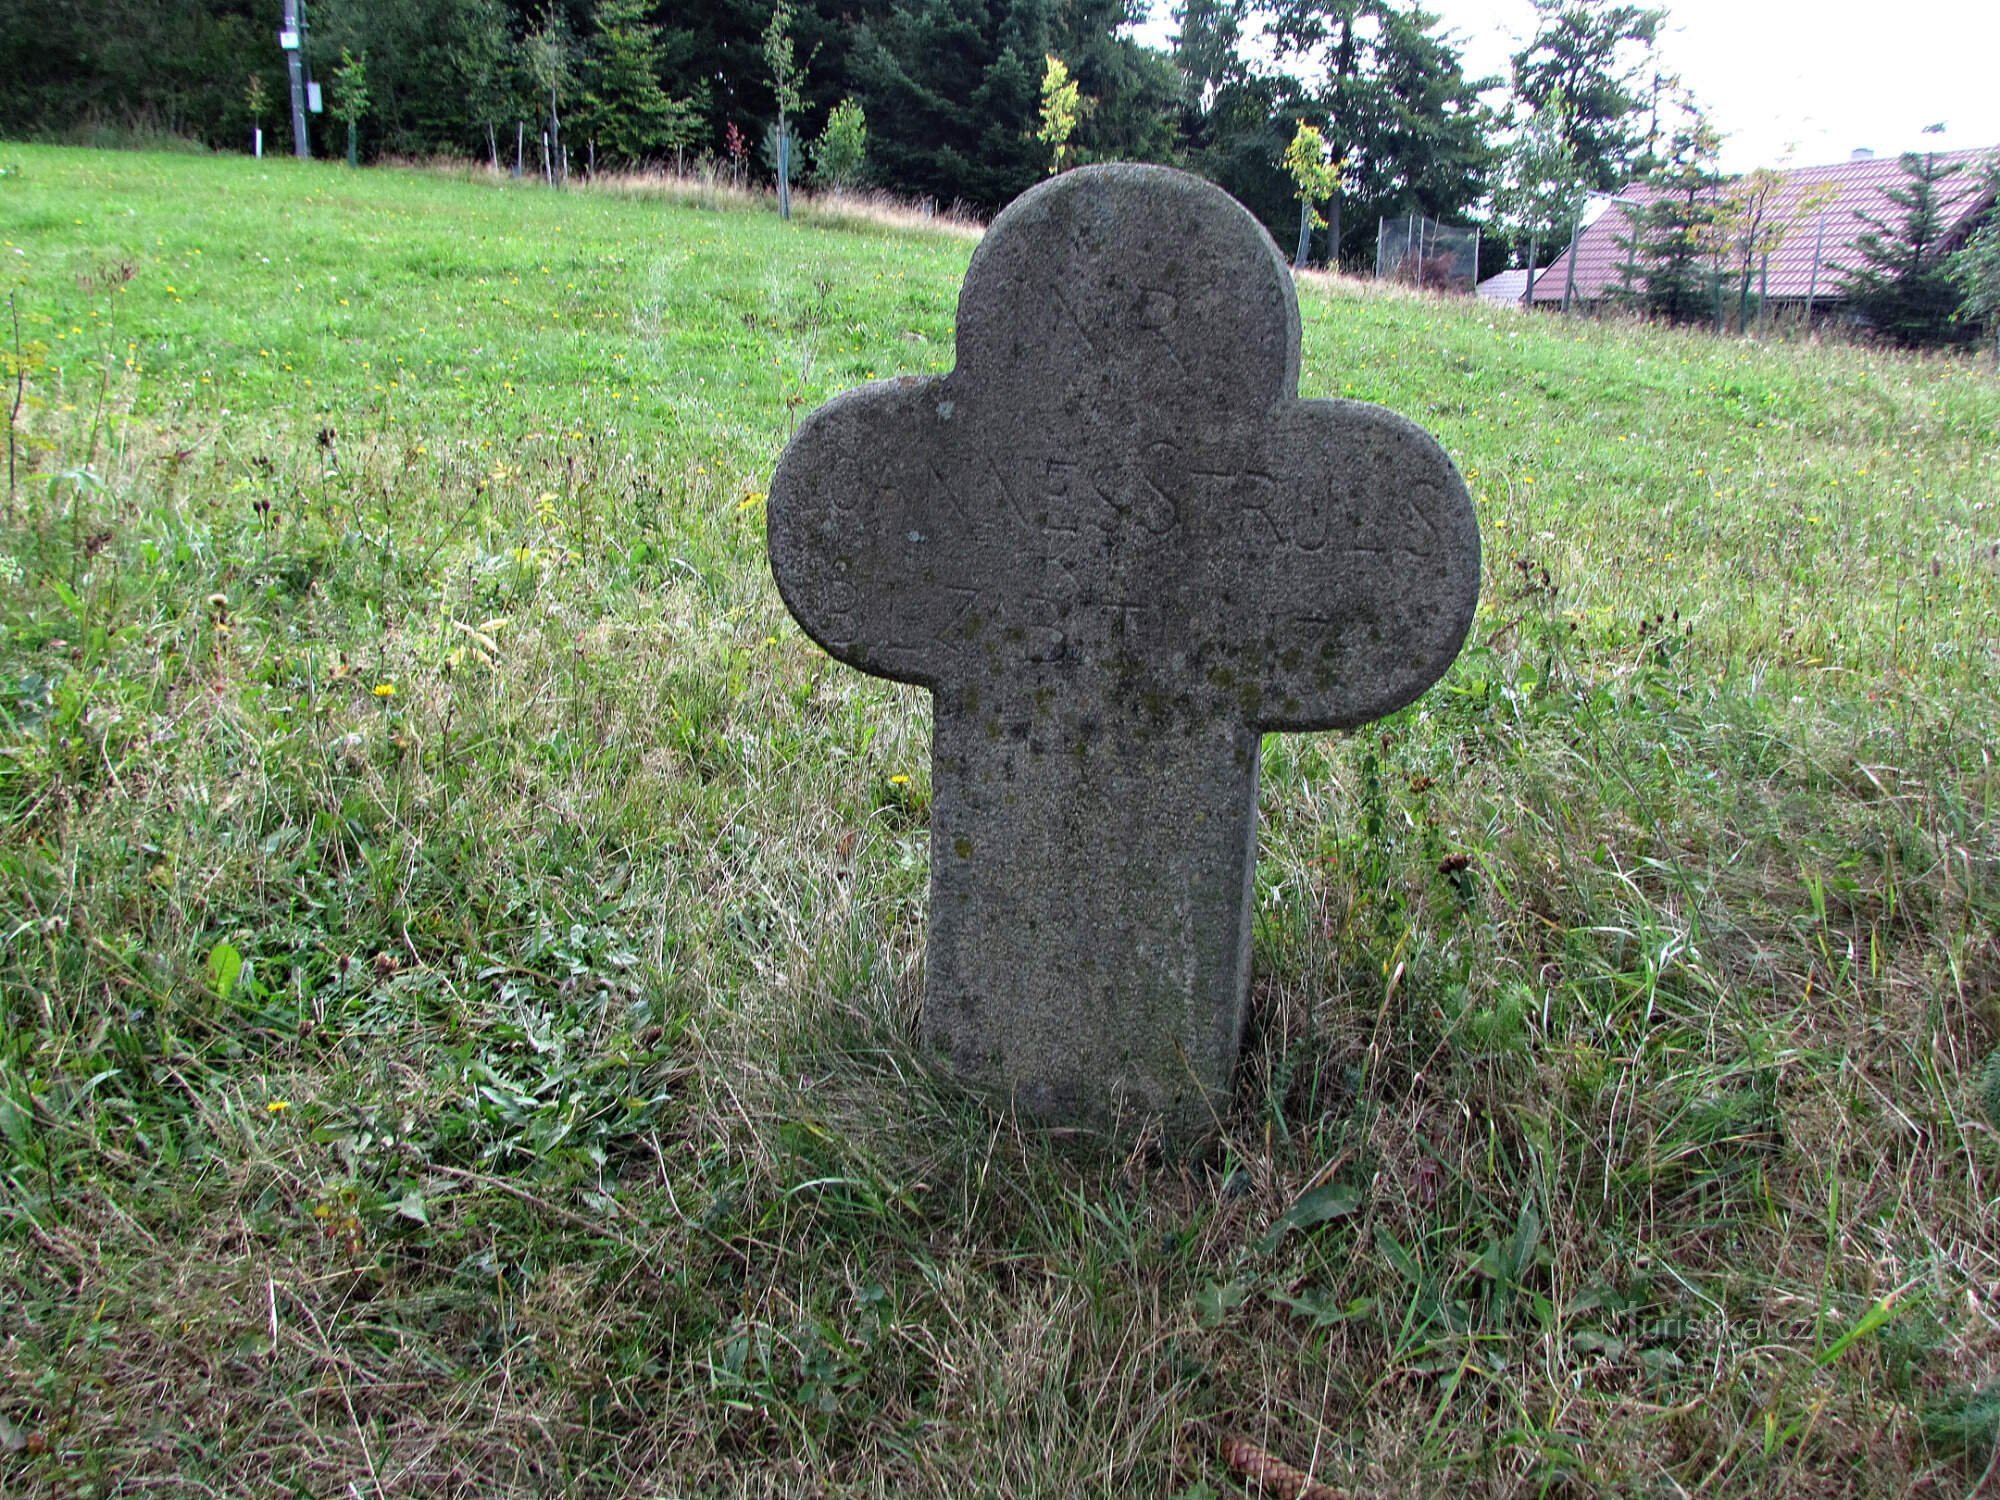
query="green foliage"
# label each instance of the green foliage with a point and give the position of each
(1540, 192)
(440, 72)
(623, 106)
(348, 99)
(781, 62)
(1403, 120)
(953, 99)
(1671, 269)
(786, 81)
(1598, 55)
(840, 155)
(549, 54)
(565, 1098)
(349, 103)
(1989, 1087)
(1974, 268)
(1903, 287)
(1062, 103)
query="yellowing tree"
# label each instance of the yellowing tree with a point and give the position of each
(1314, 179)
(1062, 103)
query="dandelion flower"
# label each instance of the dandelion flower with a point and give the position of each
(278, 1106)
(385, 689)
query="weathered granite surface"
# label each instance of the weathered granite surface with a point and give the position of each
(1117, 549)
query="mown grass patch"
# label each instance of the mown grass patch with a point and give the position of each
(460, 940)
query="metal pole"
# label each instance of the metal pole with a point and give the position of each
(294, 66)
(1569, 275)
(1812, 286)
(784, 170)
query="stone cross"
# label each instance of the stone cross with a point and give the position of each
(1117, 548)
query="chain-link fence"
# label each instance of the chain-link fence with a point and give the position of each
(1420, 252)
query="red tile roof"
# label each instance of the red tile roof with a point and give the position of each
(1807, 199)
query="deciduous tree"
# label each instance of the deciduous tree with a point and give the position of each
(840, 155)
(350, 98)
(1062, 103)
(1541, 186)
(1597, 54)
(1315, 178)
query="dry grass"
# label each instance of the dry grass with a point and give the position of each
(1610, 1123)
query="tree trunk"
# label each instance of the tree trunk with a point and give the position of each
(1333, 231)
(1305, 235)
(492, 150)
(1528, 291)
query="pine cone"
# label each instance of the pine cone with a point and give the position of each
(1278, 1480)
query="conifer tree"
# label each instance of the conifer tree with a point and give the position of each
(628, 113)
(1672, 252)
(1901, 288)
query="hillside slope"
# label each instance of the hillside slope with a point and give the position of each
(458, 940)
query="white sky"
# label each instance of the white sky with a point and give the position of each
(1791, 82)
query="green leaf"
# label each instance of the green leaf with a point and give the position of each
(14, 1123)
(1882, 1312)
(224, 964)
(1217, 1300)
(1333, 1200)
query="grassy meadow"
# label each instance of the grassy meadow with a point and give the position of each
(459, 942)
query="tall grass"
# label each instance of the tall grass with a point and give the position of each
(458, 941)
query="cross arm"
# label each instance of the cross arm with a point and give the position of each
(855, 547)
(1370, 571)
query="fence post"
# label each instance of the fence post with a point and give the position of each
(1812, 286)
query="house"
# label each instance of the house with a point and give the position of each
(1504, 286)
(1821, 210)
